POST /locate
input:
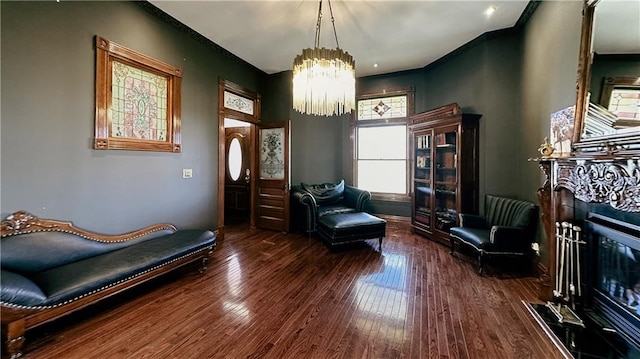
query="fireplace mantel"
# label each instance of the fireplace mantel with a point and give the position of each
(613, 181)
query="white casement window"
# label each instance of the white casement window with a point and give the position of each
(380, 130)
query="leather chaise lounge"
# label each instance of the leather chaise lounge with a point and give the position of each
(51, 268)
(507, 228)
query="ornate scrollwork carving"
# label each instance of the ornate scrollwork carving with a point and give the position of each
(22, 220)
(605, 182)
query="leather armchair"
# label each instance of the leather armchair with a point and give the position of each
(507, 228)
(310, 202)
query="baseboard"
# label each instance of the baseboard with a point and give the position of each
(394, 218)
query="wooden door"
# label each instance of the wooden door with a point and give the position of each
(272, 207)
(237, 190)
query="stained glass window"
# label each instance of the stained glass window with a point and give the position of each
(238, 103)
(272, 153)
(382, 108)
(625, 103)
(138, 103)
(381, 146)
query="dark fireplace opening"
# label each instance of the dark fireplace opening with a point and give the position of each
(613, 274)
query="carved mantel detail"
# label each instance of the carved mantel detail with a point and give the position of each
(614, 182)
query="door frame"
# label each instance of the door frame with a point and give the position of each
(253, 118)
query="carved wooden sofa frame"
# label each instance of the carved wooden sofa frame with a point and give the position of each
(16, 319)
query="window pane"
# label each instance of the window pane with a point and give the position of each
(235, 159)
(382, 176)
(388, 142)
(625, 103)
(382, 107)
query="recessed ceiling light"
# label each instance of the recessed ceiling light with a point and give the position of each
(375, 65)
(490, 10)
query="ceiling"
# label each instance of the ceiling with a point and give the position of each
(383, 36)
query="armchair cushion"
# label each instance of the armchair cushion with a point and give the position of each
(478, 238)
(325, 193)
(336, 209)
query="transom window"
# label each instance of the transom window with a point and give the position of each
(380, 129)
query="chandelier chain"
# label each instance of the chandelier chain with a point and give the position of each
(319, 25)
(333, 22)
(324, 78)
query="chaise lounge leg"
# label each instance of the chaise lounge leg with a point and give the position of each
(203, 265)
(480, 263)
(13, 339)
(453, 244)
(205, 259)
(380, 246)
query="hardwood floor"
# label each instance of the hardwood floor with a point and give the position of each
(273, 295)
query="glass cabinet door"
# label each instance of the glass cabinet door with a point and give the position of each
(422, 178)
(446, 178)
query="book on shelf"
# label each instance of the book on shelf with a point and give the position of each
(422, 142)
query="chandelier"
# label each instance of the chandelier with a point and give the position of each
(324, 79)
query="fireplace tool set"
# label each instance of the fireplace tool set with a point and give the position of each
(568, 280)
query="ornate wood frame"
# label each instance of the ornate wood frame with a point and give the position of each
(106, 53)
(352, 171)
(614, 181)
(226, 86)
(607, 146)
(16, 320)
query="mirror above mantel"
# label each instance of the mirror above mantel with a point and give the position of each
(607, 119)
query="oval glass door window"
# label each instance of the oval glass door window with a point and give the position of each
(235, 159)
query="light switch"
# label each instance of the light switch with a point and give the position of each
(187, 173)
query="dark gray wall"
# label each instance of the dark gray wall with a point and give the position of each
(48, 167)
(551, 41)
(316, 142)
(48, 111)
(484, 78)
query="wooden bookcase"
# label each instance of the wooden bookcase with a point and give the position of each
(444, 169)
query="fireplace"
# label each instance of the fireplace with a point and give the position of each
(602, 196)
(613, 273)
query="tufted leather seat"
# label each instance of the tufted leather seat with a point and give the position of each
(47, 287)
(351, 227)
(506, 229)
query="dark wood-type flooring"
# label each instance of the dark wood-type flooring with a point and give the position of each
(273, 295)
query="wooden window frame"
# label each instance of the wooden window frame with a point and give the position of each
(355, 124)
(106, 53)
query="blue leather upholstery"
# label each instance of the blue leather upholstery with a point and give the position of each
(19, 290)
(79, 274)
(37, 251)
